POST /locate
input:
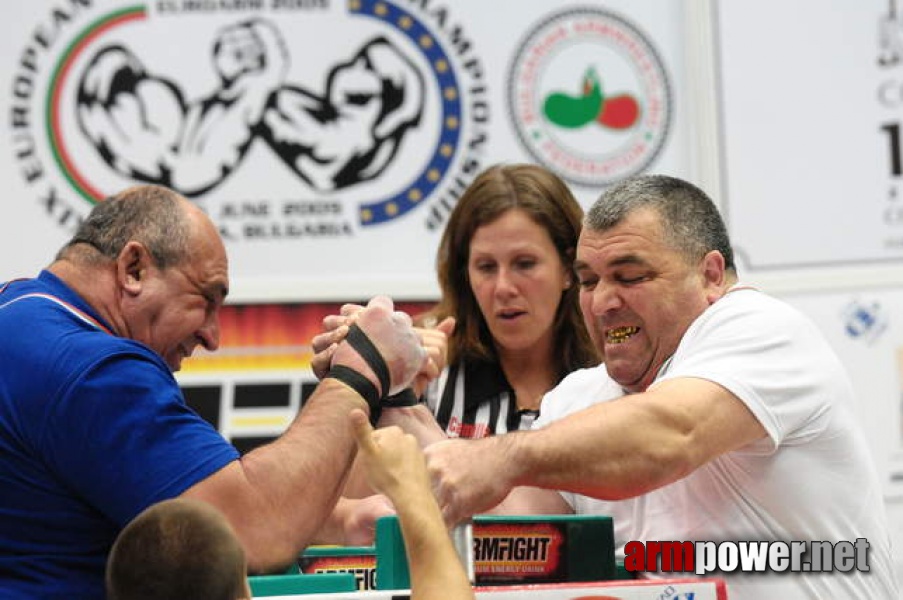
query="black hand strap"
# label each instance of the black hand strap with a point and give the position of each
(359, 384)
(360, 342)
(405, 397)
(363, 386)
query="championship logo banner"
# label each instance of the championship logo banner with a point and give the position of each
(327, 139)
(560, 100)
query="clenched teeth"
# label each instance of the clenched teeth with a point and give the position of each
(619, 335)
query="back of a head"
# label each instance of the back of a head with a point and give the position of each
(690, 220)
(177, 549)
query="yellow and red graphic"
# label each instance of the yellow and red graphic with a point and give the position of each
(258, 337)
(362, 566)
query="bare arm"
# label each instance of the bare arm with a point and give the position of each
(613, 450)
(395, 466)
(525, 500)
(278, 495)
(353, 518)
(353, 521)
(416, 420)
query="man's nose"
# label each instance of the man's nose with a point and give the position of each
(605, 298)
(209, 334)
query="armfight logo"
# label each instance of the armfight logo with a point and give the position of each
(589, 96)
(282, 119)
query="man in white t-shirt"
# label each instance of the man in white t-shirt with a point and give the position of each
(735, 425)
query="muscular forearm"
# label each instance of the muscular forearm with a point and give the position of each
(613, 450)
(591, 455)
(416, 420)
(279, 495)
(635, 444)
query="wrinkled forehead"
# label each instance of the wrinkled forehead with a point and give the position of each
(640, 226)
(637, 241)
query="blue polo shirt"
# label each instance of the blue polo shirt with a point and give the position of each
(93, 429)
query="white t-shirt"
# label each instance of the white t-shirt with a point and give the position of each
(578, 390)
(810, 479)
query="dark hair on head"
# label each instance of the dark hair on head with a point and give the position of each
(177, 548)
(150, 214)
(690, 220)
(547, 200)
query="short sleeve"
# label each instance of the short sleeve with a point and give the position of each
(122, 437)
(770, 357)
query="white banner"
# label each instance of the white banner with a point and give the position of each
(812, 101)
(328, 140)
(812, 97)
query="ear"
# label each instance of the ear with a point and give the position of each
(132, 267)
(712, 271)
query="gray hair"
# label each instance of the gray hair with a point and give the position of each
(690, 220)
(150, 214)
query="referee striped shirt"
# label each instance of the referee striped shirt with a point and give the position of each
(475, 400)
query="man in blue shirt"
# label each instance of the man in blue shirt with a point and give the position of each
(93, 426)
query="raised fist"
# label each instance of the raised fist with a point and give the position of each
(397, 345)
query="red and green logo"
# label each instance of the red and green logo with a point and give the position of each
(620, 111)
(589, 96)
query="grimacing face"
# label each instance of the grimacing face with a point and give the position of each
(517, 278)
(178, 307)
(639, 296)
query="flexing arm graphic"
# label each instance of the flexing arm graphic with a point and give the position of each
(143, 128)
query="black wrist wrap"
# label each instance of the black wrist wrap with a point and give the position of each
(405, 397)
(363, 386)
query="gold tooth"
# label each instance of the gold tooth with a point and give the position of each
(621, 334)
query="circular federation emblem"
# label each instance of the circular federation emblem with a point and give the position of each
(589, 96)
